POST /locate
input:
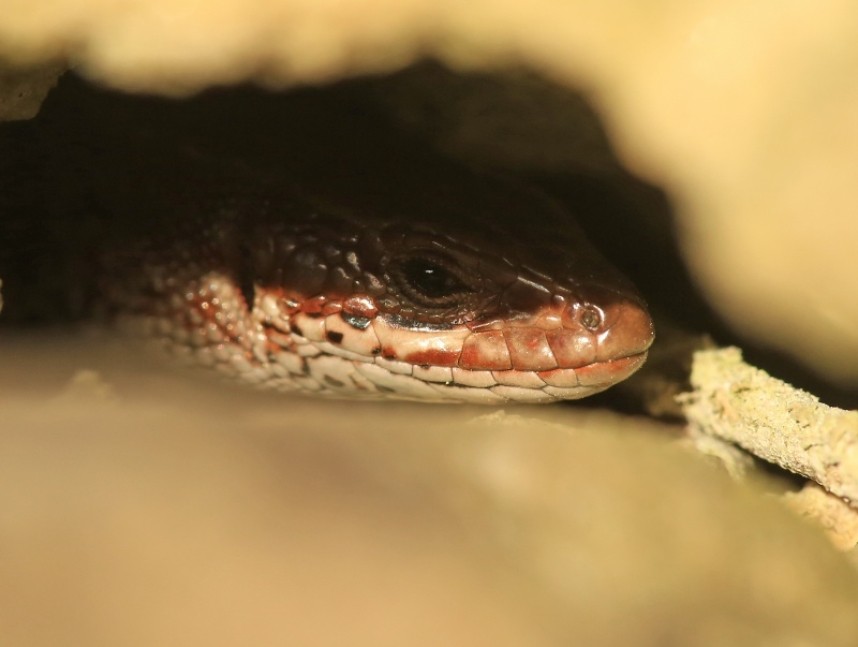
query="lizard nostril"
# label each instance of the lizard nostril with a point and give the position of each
(591, 318)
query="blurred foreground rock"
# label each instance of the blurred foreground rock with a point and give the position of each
(137, 508)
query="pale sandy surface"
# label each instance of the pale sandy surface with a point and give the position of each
(140, 508)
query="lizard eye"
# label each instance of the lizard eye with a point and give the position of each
(429, 281)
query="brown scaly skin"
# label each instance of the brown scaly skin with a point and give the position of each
(356, 264)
